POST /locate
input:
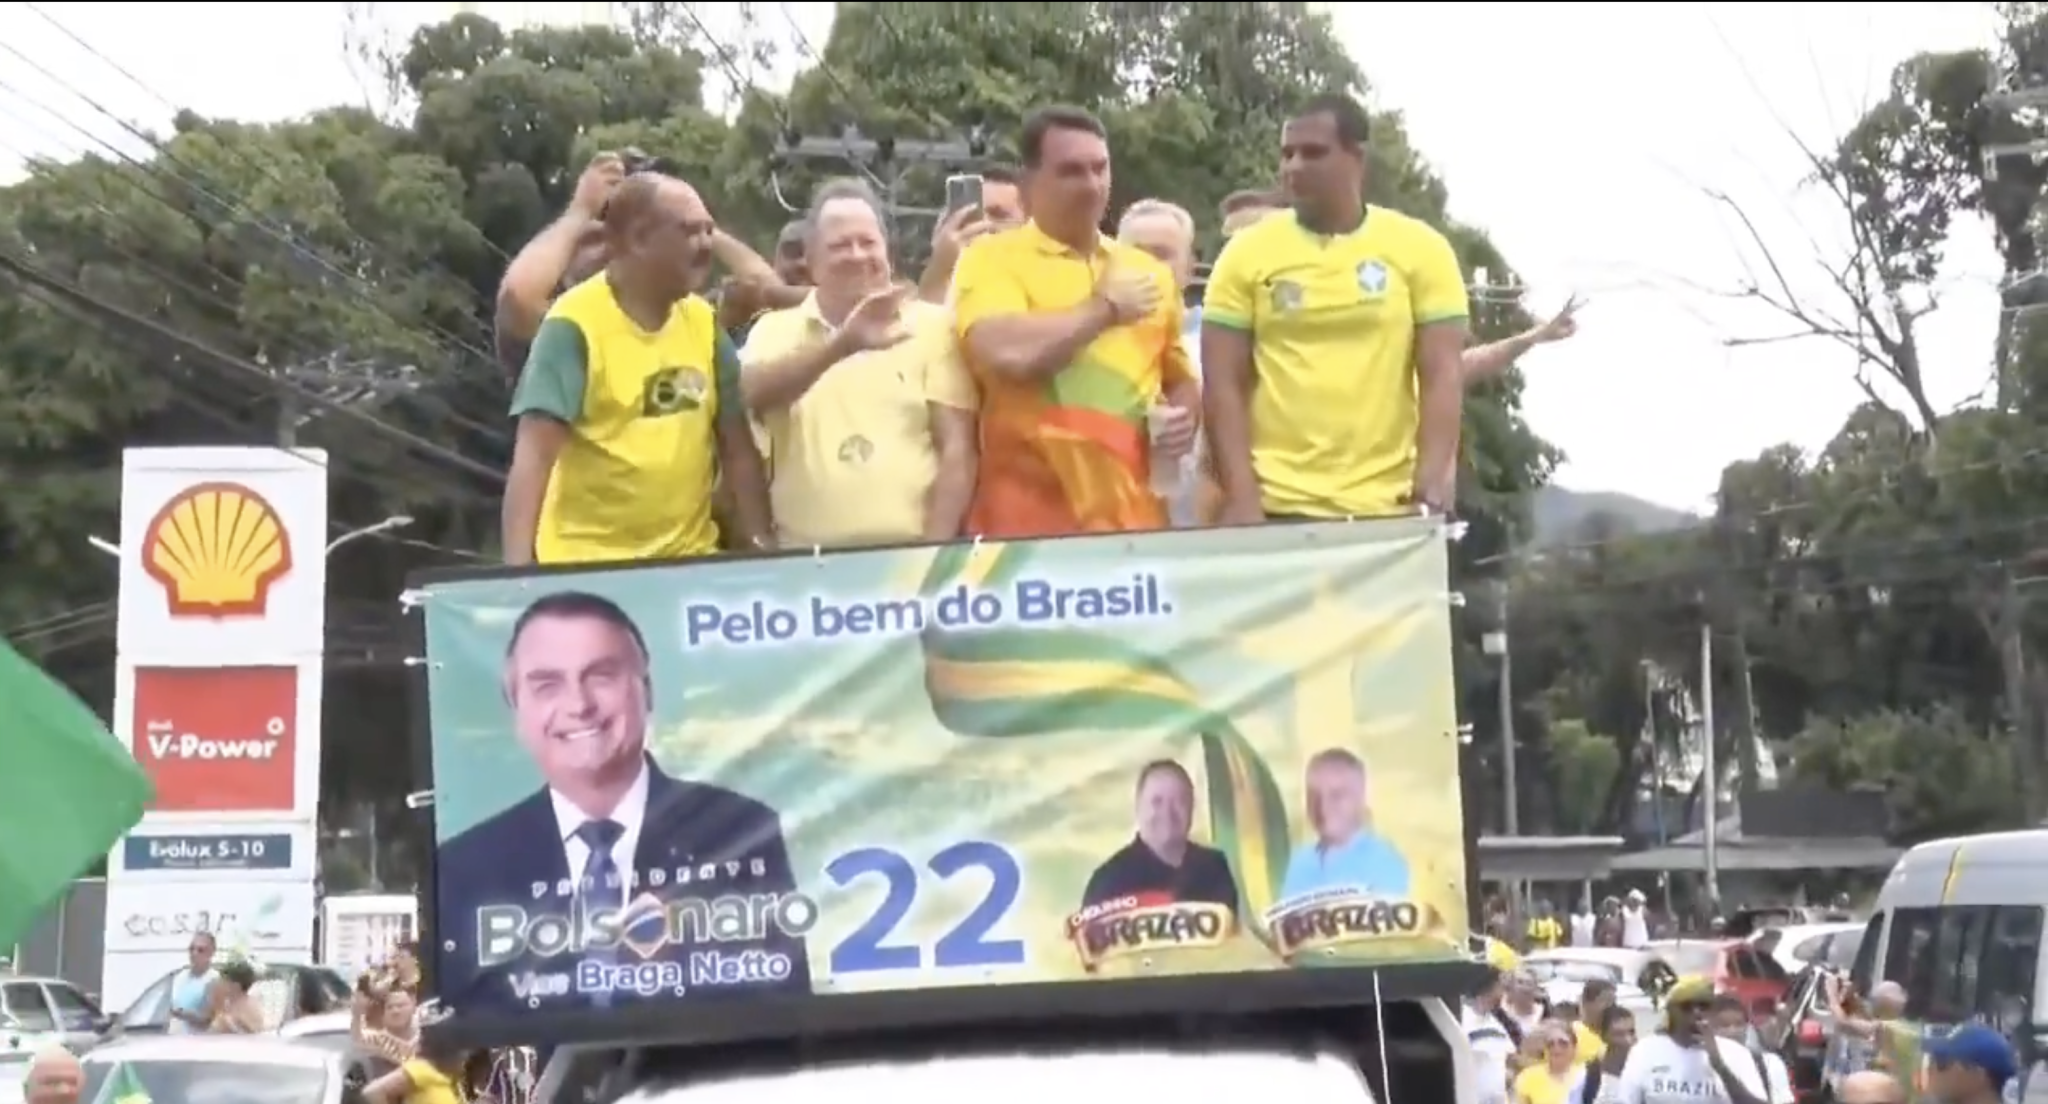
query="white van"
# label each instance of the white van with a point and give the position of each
(1329, 1056)
(1958, 924)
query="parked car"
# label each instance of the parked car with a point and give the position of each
(330, 1031)
(14, 1074)
(1797, 946)
(220, 1068)
(1743, 923)
(1734, 967)
(281, 990)
(49, 1010)
(1623, 966)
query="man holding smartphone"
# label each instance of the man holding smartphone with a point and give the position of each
(975, 205)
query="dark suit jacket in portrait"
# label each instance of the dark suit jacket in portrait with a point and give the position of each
(686, 825)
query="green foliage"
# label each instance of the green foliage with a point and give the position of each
(1941, 775)
(1872, 602)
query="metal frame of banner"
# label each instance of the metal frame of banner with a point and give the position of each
(743, 1016)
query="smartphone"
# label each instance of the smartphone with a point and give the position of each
(962, 191)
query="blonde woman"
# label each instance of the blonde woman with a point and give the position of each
(1550, 1071)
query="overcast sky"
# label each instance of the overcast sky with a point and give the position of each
(1582, 136)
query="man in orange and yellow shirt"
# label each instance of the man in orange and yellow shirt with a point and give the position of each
(1074, 337)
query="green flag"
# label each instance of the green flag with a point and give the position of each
(68, 791)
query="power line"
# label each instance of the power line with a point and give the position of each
(282, 235)
(159, 97)
(29, 273)
(335, 383)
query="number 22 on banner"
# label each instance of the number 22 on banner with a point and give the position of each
(967, 944)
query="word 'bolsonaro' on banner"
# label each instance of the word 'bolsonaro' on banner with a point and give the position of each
(1064, 763)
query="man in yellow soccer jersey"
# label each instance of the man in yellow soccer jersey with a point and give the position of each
(1332, 340)
(629, 408)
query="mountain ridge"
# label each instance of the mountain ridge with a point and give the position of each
(1559, 514)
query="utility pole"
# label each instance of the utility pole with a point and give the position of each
(1496, 644)
(334, 381)
(2012, 652)
(1710, 785)
(887, 163)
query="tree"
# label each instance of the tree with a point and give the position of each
(206, 292)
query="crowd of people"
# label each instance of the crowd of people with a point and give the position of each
(1040, 377)
(396, 1061)
(1704, 1050)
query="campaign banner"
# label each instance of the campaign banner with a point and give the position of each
(1189, 753)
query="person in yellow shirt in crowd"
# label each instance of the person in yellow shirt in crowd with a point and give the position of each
(628, 409)
(1548, 1079)
(1544, 929)
(1075, 339)
(433, 1076)
(859, 391)
(1331, 343)
(1595, 998)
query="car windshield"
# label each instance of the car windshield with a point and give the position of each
(1573, 969)
(174, 1081)
(1691, 958)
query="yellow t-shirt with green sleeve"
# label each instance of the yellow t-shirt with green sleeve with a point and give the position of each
(644, 409)
(1333, 323)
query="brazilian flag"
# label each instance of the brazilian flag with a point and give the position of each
(1016, 683)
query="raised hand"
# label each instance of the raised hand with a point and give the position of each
(956, 230)
(876, 322)
(1561, 325)
(599, 180)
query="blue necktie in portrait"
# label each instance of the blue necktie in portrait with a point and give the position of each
(601, 887)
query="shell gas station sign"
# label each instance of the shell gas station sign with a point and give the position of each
(216, 549)
(222, 556)
(220, 641)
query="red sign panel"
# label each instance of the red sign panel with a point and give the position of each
(218, 739)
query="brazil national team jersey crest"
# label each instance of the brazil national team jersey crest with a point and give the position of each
(1372, 278)
(1286, 295)
(672, 391)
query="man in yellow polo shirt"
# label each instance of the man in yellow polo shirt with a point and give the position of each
(859, 391)
(628, 409)
(1331, 344)
(1075, 339)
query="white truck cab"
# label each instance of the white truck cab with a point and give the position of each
(1338, 1055)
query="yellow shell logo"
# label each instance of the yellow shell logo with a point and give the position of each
(217, 549)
